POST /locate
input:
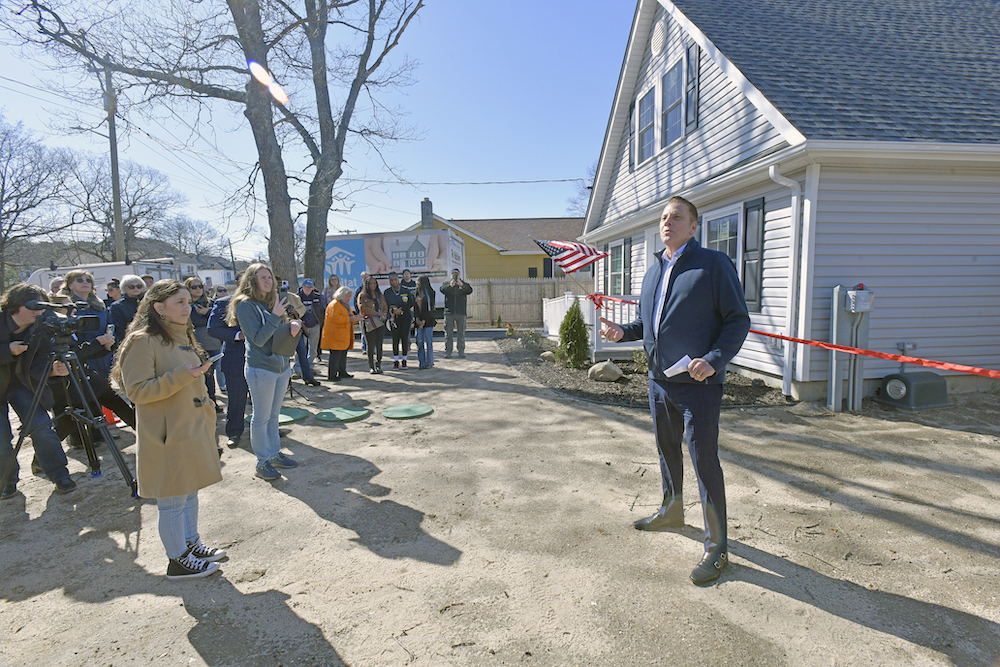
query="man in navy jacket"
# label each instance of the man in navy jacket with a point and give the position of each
(692, 319)
(233, 360)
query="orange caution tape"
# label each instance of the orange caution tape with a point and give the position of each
(600, 299)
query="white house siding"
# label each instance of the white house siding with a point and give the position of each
(760, 353)
(928, 243)
(730, 130)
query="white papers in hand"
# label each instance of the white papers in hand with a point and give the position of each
(680, 367)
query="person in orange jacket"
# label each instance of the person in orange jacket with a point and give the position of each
(338, 333)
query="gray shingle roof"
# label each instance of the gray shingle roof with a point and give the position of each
(517, 233)
(889, 70)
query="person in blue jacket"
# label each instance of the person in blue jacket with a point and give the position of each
(692, 319)
(234, 358)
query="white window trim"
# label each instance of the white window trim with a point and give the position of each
(682, 103)
(638, 128)
(725, 212)
(620, 244)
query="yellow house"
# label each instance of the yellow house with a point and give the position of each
(505, 248)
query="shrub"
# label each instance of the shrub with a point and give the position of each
(499, 322)
(640, 359)
(530, 339)
(574, 341)
(511, 331)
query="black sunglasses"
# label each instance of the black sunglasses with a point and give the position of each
(84, 279)
(221, 289)
(197, 286)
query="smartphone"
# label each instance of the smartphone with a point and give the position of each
(283, 290)
(110, 330)
(215, 358)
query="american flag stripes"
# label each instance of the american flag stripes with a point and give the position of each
(570, 256)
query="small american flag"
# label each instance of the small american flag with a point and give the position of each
(570, 256)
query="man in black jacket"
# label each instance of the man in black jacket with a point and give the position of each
(692, 319)
(233, 360)
(456, 309)
(23, 361)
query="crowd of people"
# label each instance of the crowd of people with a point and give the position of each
(171, 347)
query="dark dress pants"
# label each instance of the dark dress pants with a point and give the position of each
(237, 393)
(338, 364)
(681, 409)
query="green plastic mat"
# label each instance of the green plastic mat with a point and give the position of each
(407, 411)
(288, 415)
(342, 414)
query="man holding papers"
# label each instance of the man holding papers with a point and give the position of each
(692, 319)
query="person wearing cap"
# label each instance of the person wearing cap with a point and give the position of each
(313, 318)
(24, 359)
(456, 293)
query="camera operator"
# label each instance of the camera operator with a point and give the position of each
(23, 359)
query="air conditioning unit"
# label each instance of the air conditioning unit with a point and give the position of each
(914, 391)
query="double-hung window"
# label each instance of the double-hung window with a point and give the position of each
(647, 126)
(616, 269)
(738, 231)
(673, 94)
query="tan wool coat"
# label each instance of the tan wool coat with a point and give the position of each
(175, 420)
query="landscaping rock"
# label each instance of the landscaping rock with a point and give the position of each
(605, 371)
(548, 356)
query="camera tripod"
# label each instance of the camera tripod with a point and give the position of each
(79, 393)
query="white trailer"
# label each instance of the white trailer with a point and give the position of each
(103, 272)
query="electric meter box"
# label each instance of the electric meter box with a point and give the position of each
(860, 300)
(914, 391)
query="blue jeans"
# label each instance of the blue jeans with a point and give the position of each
(48, 449)
(302, 364)
(267, 389)
(425, 337)
(178, 522)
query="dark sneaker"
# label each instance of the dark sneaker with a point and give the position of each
(395, 365)
(9, 491)
(282, 461)
(233, 442)
(65, 485)
(208, 554)
(266, 471)
(403, 363)
(190, 566)
(344, 376)
(461, 355)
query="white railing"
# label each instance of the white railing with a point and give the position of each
(554, 311)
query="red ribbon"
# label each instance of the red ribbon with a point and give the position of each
(600, 299)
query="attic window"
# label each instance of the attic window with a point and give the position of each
(673, 92)
(647, 126)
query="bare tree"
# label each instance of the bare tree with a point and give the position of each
(331, 55)
(146, 197)
(194, 238)
(32, 179)
(577, 204)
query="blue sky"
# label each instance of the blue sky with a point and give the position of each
(519, 90)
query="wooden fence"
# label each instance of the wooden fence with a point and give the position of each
(518, 300)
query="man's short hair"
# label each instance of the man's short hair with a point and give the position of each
(692, 209)
(393, 273)
(20, 294)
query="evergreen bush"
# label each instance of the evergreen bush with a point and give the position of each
(574, 341)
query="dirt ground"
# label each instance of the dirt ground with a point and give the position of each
(498, 531)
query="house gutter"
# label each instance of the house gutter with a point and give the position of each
(793, 262)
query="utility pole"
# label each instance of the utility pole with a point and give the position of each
(111, 106)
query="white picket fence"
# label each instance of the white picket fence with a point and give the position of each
(554, 311)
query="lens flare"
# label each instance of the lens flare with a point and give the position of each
(260, 73)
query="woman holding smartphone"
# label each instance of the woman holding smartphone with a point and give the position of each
(258, 311)
(161, 368)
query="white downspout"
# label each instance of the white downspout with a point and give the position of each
(793, 274)
(809, 202)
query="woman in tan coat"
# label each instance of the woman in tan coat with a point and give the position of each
(161, 368)
(338, 333)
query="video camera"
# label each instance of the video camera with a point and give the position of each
(63, 324)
